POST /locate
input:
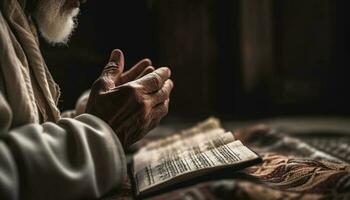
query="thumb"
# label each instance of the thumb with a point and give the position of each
(117, 57)
(114, 69)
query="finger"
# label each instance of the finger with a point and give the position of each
(160, 110)
(148, 70)
(117, 57)
(163, 94)
(115, 66)
(155, 80)
(157, 113)
(135, 71)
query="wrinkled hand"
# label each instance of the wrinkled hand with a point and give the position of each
(137, 71)
(142, 68)
(132, 103)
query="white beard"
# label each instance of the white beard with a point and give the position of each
(56, 26)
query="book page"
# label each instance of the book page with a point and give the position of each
(201, 128)
(182, 143)
(154, 167)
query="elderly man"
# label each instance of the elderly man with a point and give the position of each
(45, 156)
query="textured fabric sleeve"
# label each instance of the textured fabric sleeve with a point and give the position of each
(78, 158)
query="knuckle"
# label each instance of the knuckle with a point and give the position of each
(130, 90)
(171, 83)
(163, 94)
(144, 115)
(133, 96)
(164, 110)
(133, 90)
(110, 65)
(156, 80)
(144, 106)
(99, 83)
(134, 93)
(140, 102)
(168, 87)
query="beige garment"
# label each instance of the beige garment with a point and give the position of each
(23, 67)
(78, 158)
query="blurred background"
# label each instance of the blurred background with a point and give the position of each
(236, 59)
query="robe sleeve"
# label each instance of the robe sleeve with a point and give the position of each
(79, 158)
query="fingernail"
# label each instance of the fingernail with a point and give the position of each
(148, 61)
(116, 56)
(165, 69)
(168, 70)
(151, 68)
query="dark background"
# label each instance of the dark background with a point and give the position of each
(236, 59)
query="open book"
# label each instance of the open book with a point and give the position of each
(191, 153)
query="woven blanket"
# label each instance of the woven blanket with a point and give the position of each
(292, 168)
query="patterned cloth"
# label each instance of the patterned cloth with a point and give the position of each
(291, 169)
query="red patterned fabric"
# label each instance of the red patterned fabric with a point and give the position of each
(291, 170)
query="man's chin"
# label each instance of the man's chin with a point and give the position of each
(58, 32)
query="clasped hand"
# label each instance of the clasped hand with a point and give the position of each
(132, 103)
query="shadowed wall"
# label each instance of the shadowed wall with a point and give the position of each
(235, 59)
